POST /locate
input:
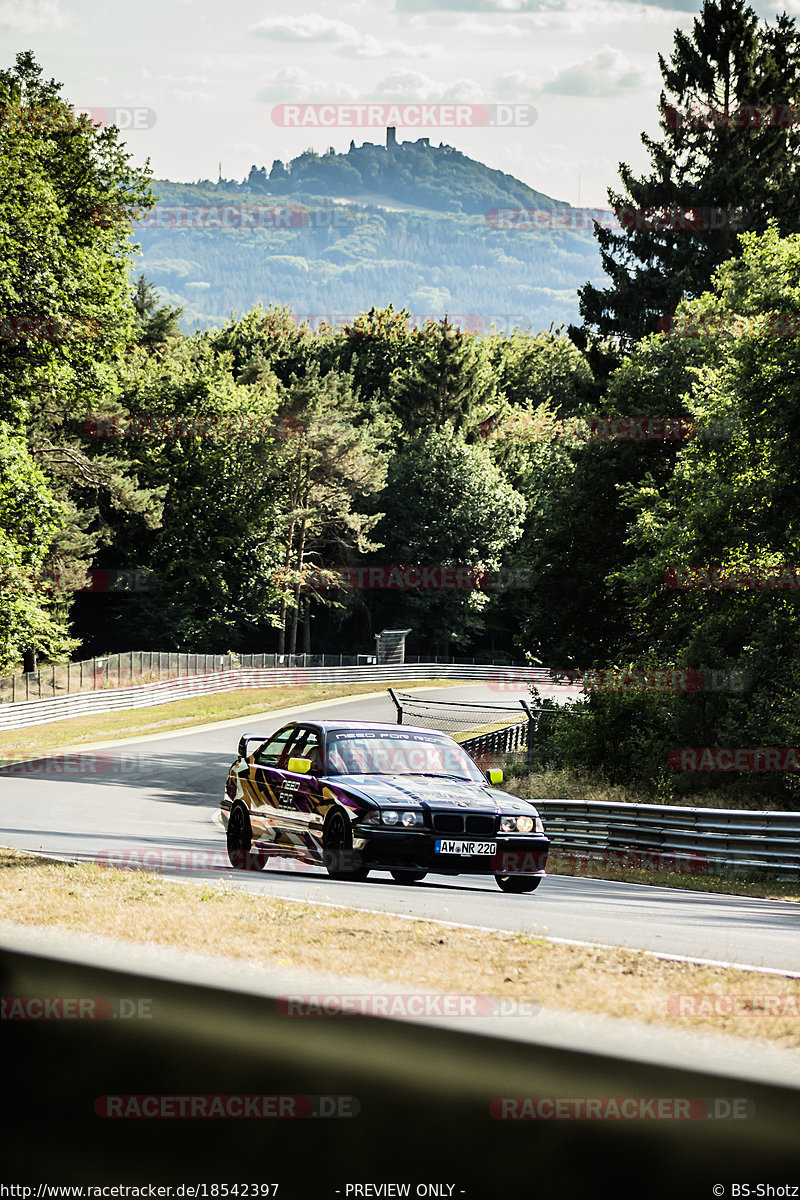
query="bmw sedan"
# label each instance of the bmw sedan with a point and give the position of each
(359, 797)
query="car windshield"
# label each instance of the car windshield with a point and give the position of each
(399, 754)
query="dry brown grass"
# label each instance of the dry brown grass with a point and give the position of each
(214, 919)
(58, 736)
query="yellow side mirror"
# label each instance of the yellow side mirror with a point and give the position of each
(495, 775)
(299, 766)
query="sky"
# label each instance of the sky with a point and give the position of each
(198, 83)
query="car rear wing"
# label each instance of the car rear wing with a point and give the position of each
(250, 737)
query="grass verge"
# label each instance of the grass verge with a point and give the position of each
(57, 736)
(213, 918)
(754, 884)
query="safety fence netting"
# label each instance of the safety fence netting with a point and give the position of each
(514, 736)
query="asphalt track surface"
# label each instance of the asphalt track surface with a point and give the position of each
(154, 802)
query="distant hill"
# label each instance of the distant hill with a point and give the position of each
(333, 234)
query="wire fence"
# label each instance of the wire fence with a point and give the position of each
(152, 666)
(494, 734)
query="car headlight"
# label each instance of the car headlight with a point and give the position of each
(411, 818)
(520, 825)
(390, 817)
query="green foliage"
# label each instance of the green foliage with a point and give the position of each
(730, 62)
(32, 605)
(447, 504)
(727, 504)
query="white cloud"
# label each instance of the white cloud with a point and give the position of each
(295, 83)
(413, 85)
(530, 7)
(607, 73)
(314, 29)
(32, 16)
(191, 97)
(308, 27)
(490, 29)
(515, 86)
(185, 79)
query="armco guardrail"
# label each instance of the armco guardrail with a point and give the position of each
(38, 712)
(137, 667)
(724, 840)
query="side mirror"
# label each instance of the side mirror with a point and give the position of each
(299, 766)
(495, 775)
(243, 746)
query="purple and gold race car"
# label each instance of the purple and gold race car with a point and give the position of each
(360, 797)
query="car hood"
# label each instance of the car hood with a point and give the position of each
(410, 791)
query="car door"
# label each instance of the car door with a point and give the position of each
(299, 792)
(266, 780)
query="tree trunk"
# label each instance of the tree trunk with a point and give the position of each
(296, 610)
(307, 627)
(294, 495)
(29, 661)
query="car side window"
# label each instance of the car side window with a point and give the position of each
(270, 753)
(308, 746)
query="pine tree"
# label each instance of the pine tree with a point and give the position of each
(450, 381)
(727, 162)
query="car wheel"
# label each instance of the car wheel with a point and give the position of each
(338, 855)
(240, 841)
(408, 876)
(518, 883)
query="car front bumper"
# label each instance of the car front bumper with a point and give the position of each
(391, 849)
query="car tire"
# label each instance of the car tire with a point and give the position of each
(408, 876)
(338, 854)
(518, 883)
(241, 854)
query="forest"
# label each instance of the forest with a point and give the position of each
(332, 235)
(623, 492)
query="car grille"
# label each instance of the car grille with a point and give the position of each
(476, 824)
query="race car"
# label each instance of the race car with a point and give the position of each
(359, 797)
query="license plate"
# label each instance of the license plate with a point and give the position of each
(464, 848)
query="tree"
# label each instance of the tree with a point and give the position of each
(336, 467)
(32, 600)
(725, 519)
(449, 381)
(729, 147)
(446, 504)
(157, 324)
(210, 449)
(69, 194)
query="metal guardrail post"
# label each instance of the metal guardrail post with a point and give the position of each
(530, 759)
(397, 705)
